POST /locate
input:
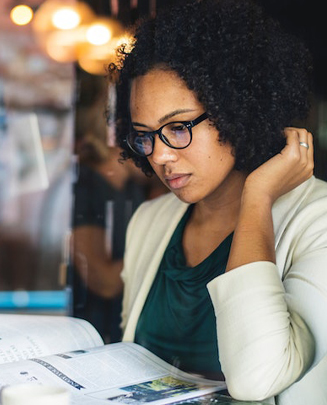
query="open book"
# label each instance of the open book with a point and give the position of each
(67, 351)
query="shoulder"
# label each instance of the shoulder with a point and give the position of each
(309, 192)
(310, 211)
(310, 222)
(304, 204)
(161, 208)
(317, 189)
(300, 217)
(300, 223)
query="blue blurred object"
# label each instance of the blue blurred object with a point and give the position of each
(34, 300)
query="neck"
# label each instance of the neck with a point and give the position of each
(224, 204)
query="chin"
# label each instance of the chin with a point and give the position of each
(186, 197)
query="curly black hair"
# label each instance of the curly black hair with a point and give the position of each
(252, 78)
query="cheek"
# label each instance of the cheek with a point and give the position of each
(216, 153)
(208, 145)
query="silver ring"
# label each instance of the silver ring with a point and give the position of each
(304, 144)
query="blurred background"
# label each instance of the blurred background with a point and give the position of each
(60, 185)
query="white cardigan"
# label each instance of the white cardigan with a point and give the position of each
(271, 319)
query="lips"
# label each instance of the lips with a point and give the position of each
(177, 180)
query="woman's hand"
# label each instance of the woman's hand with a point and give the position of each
(285, 171)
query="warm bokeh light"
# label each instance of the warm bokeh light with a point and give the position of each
(61, 45)
(66, 18)
(21, 15)
(95, 59)
(59, 27)
(98, 34)
(69, 31)
(64, 15)
(127, 41)
(99, 50)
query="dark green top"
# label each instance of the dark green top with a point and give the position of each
(178, 322)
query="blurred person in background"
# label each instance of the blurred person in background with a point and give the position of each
(106, 193)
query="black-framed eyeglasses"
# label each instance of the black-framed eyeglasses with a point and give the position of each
(176, 135)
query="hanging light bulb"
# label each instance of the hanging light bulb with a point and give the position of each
(69, 31)
(21, 14)
(59, 26)
(98, 34)
(66, 18)
(94, 59)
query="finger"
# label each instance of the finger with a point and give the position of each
(303, 139)
(306, 148)
(297, 139)
(300, 137)
(303, 142)
(311, 147)
(310, 153)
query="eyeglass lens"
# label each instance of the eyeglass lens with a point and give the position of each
(173, 134)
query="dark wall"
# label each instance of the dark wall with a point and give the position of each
(306, 18)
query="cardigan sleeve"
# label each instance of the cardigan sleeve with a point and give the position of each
(263, 346)
(271, 318)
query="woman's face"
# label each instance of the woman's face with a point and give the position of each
(202, 171)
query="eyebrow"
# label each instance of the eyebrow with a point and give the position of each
(166, 117)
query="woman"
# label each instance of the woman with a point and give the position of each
(237, 252)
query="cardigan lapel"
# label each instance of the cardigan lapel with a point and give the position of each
(152, 266)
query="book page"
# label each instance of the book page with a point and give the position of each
(118, 373)
(27, 336)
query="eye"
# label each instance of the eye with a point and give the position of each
(142, 143)
(177, 128)
(139, 134)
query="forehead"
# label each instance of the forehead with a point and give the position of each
(160, 92)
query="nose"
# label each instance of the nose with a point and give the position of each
(162, 153)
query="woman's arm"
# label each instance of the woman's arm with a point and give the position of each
(264, 344)
(254, 234)
(99, 272)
